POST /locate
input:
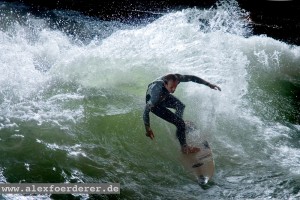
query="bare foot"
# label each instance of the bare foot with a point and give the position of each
(186, 149)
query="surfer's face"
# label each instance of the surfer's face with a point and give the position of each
(171, 86)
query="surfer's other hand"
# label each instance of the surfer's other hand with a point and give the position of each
(150, 133)
(215, 87)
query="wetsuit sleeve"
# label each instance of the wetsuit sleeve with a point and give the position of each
(192, 78)
(152, 97)
(146, 117)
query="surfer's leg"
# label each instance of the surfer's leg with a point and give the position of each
(169, 116)
(172, 102)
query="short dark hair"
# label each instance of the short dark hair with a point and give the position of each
(169, 77)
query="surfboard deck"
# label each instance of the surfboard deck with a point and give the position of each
(201, 164)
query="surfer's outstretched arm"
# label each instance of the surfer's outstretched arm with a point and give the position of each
(196, 79)
(146, 118)
(152, 99)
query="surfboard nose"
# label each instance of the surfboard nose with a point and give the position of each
(202, 180)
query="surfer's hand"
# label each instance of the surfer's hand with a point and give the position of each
(215, 87)
(149, 133)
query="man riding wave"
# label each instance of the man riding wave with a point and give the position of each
(159, 98)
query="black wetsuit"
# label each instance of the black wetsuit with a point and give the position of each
(158, 99)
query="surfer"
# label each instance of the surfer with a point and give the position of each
(159, 99)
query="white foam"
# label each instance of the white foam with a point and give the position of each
(74, 150)
(208, 43)
(289, 158)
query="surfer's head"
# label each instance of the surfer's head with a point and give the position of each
(170, 82)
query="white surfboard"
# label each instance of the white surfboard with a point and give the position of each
(201, 164)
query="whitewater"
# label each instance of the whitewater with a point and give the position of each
(73, 92)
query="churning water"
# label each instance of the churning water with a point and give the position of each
(72, 97)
